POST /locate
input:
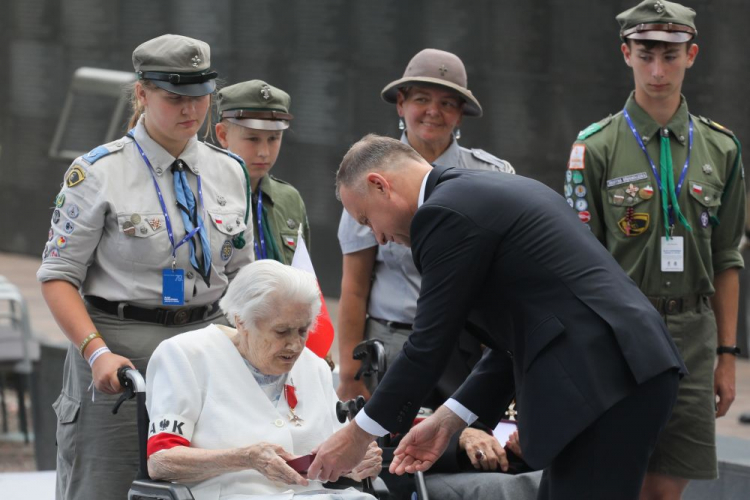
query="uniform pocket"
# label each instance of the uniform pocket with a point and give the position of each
(66, 409)
(705, 202)
(225, 226)
(144, 237)
(634, 218)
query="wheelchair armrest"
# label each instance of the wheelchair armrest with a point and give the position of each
(148, 489)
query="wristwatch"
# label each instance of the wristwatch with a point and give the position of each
(728, 349)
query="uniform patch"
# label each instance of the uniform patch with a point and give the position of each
(128, 228)
(154, 222)
(168, 431)
(568, 190)
(632, 190)
(577, 177)
(61, 242)
(290, 241)
(570, 202)
(56, 216)
(577, 159)
(54, 252)
(584, 216)
(75, 176)
(638, 224)
(69, 227)
(581, 204)
(60, 200)
(590, 130)
(51, 234)
(568, 176)
(705, 219)
(226, 250)
(627, 179)
(580, 190)
(73, 211)
(647, 192)
(697, 189)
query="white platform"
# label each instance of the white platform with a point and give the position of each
(27, 485)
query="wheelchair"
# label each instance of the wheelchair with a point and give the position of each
(145, 488)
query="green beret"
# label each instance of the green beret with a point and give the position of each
(255, 104)
(658, 20)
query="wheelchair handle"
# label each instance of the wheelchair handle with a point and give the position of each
(133, 383)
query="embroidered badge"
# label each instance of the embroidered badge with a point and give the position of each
(55, 216)
(69, 227)
(584, 216)
(568, 190)
(61, 242)
(75, 176)
(154, 222)
(581, 204)
(73, 211)
(577, 177)
(60, 200)
(705, 219)
(580, 190)
(577, 157)
(634, 225)
(226, 250)
(290, 241)
(570, 202)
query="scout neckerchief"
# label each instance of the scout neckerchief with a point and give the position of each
(191, 220)
(190, 232)
(264, 231)
(669, 192)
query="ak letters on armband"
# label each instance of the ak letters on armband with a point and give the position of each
(168, 431)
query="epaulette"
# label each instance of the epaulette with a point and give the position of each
(282, 181)
(716, 126)
(481, 154)
(226, 152)
(594, 128)
(100, 152)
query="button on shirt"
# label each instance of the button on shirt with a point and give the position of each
(395, 288)
(115, 237)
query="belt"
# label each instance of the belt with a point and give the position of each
(393, 324)
(166, 317)
(675, 305)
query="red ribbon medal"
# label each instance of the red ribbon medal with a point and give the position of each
(291, 400)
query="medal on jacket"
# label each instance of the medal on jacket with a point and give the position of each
(291, 400)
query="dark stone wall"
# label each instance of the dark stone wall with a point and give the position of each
(542, 69)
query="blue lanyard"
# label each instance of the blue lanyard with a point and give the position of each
(637, 136)
(260, 252)
(189, 235)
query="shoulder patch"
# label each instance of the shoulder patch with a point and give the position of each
(594, 128)
(226, 152)
(716, 126)
(481, 154)
(100, 152)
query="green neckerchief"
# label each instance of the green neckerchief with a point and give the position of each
(668, 192)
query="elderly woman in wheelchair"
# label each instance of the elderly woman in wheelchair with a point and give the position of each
(235, 412)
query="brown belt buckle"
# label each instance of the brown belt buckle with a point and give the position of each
(181, 316)
(672, 305)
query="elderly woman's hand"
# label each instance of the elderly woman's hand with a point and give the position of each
(484, 450)
(514, 444)
(370, 466)
(270, 460)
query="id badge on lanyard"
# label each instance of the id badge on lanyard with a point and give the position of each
(173, 279)
(672, 254)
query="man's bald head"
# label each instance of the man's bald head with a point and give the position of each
(372, 153)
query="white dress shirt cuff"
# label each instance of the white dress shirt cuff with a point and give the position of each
(369, 425)
(460, 410)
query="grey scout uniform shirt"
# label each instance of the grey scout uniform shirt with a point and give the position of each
(96, 254)
(600, 190)
(395, 288)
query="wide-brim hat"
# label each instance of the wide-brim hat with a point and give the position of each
(177, 64)
(432, 67)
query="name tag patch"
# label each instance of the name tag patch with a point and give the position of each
(626, 179)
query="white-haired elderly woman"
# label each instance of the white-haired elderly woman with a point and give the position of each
(230, 406)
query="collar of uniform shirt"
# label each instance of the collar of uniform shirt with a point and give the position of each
(450, 157)
(422, 189)
(159, 157)
(646, 126)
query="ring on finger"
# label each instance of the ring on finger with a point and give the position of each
(480, 455)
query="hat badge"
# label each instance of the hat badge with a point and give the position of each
(196, 61)
(265, 92)
(443, 69)
(659, 7)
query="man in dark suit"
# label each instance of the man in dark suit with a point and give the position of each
(595, 370)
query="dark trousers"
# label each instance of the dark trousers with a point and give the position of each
(608, 460)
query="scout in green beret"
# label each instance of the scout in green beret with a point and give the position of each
(663, 190)
(253, 117)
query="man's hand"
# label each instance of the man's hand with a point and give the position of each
(724, 384)
(425, 442)
(484, 450)
(350, 389)
(340, 453)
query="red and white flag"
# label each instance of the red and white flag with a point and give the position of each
(320, 338)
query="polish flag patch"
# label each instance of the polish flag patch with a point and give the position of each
(697, 189)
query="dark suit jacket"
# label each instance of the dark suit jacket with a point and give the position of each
(508, 255)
